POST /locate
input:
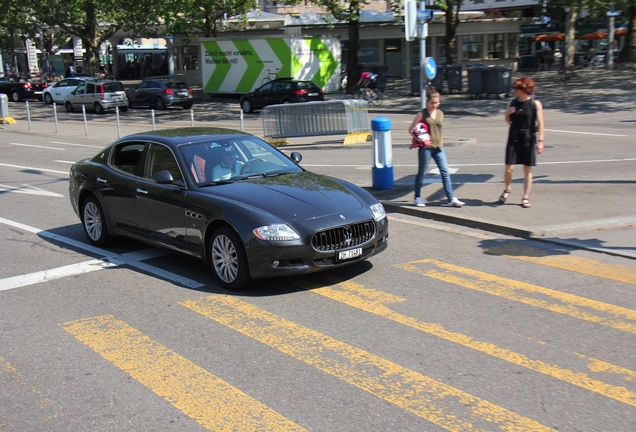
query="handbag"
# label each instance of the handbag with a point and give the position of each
(421, 131)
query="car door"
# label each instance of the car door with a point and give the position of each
(117, 183)
(262, 96)
(137, 94)
(160, 207)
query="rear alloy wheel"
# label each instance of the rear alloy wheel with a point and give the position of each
(246, 106)
(94, 222)
(48, 98)
(69, 107)
(228, 259)
(160, 104)
(98, 108)
(15, 97)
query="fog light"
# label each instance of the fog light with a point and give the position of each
(275, 263)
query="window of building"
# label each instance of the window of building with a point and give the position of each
(190, 58)
(512, 45)
(472, 47)
(495, 46)
(415, 52)
(369, 54)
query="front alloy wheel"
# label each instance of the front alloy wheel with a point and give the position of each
(94, 222)
(246, 106)
(228, 259)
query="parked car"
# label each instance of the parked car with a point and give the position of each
(60, 90)
(280, 91)
(228, 198)
(17, 88)
(160, 94)
(97, 96)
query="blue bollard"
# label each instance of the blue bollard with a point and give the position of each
(382, 171)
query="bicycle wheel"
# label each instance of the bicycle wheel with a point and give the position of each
(376, 99)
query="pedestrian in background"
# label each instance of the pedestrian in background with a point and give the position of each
(433, 117)
(525, 117)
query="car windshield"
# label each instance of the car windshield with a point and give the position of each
(113, 86)
(218, 161)
(177, 85)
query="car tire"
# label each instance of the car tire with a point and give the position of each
(69, 107)
(247, 107)
(187, 106)
(228, 259)
(98, 108)
(94, 222)
(48, 99)
(160, 104)
(123, 108)
(15, 97)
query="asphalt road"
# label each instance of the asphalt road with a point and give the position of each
(451, 329)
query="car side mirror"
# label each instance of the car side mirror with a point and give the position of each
(163, 177)
(296, 157)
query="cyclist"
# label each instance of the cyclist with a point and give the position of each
(367, 80)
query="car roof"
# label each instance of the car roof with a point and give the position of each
(179, 136)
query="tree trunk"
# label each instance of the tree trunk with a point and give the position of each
(628, 52)
(572, 12)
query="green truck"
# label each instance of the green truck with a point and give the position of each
(240, 65)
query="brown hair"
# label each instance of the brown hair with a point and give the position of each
(431, 92)
(524, 84)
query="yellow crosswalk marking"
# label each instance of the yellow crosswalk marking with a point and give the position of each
(202, 396)
(544, 298)
(602, 269)
(374, 301)
(439, 403)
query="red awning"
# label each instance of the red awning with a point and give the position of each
(551, 37)
(594, 36)
(621, 32)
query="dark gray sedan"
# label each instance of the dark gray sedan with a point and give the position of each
(160, 94)
(228, 198)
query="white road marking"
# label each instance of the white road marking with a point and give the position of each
(64, 162)
(29, 190)
(77, 145)
(117, 259)
(36, 146)
(584, 133)
(34, 169)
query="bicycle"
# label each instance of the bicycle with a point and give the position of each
(375, 99)
(270, 76)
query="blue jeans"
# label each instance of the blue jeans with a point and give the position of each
(424, 155)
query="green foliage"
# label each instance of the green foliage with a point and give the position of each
(16, 22)
(187, 17)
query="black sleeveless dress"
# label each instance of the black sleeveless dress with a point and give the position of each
(521, 147)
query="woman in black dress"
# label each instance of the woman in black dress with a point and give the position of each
(525, 117)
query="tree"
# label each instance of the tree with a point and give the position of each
(187, 17)
(451, 13)
(95, 21)
(628, 53)
(16, 24)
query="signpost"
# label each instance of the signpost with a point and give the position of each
(415, 25)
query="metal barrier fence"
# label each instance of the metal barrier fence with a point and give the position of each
(337, 117)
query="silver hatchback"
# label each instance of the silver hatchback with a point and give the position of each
(97, 96)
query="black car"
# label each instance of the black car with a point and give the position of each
(160, 94)
(17, 88)
(280, 91)
(228, 198)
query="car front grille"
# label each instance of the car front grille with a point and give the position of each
(343, 237)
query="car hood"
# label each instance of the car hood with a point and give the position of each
(300, 196)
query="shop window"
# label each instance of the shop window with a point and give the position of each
(190, 58)
(512, 45)
(472, 47)
(495, 46)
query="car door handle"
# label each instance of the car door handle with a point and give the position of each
(142, 191)
(102, 180)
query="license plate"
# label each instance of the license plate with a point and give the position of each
(182, 93)
(312, 94)
(348, 254)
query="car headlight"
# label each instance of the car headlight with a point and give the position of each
(275, 232)
(378, 212)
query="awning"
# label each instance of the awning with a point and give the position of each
(593, 36)
(551, 37)
(621, 31)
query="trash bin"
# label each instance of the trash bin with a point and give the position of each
(380, 81)
(415, 80)
(454, 78)
(438, 81)
(475, 80)
(497, 80)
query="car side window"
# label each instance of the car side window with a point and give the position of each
(266, 87)
(161, 158)
(126, 157)
(143, 85)
(154, 85)
(278, 87)
(90, 88)
(81, 89)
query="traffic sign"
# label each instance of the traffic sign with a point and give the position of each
(430, 67)
(424, 14)
(609, 13)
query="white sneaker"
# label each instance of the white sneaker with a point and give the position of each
(455, 203)
(418, 202)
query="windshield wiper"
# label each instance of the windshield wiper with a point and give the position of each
(216, 183)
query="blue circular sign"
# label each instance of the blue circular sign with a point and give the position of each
(430, 67)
